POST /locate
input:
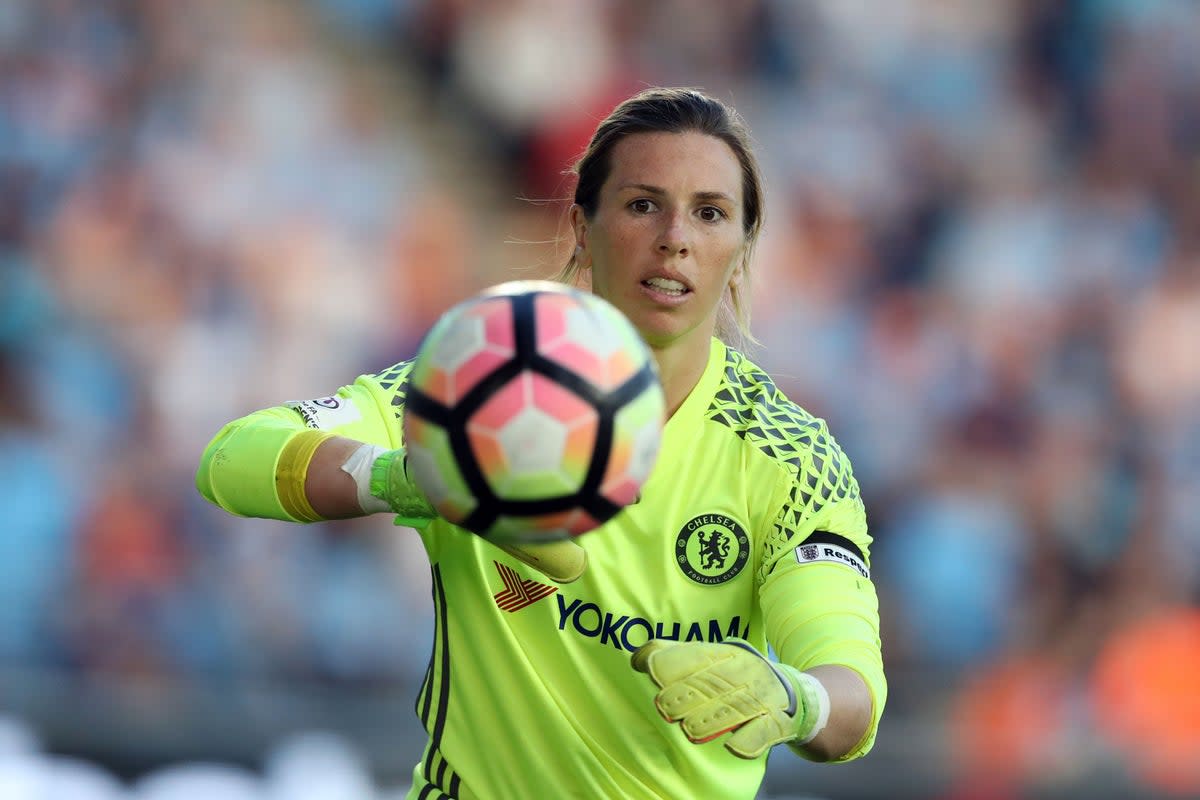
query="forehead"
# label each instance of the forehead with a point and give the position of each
(688, 161)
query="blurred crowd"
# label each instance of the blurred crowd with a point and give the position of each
(306, 765)
(981, 265)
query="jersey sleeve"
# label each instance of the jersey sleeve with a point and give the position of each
(821, 498)
(825, 614)
(237, 468)
(819, 604)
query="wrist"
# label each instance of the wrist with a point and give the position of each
(359, 467)
(389, 483)
(812, 703)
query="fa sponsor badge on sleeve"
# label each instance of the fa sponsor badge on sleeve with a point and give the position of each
(824, 546)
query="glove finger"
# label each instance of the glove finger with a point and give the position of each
(687, 696)
(640, 660)
(561, 561)
(711, 719)
(758, 736)
(738, 641)
(678, 662)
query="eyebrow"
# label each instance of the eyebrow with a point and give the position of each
(658, 190)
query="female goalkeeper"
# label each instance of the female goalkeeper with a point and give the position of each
(630, 663)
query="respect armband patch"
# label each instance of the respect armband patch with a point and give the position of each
(825, 546)
(325, 412)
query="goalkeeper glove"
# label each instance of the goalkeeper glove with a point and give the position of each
(717, 688)
(391, 489)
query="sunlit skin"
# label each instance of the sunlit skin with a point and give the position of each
(665, 243)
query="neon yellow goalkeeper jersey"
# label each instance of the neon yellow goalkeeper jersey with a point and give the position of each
(751, 525)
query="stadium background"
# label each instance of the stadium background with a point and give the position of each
(981, 265)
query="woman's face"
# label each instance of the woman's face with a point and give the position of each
(667, 236)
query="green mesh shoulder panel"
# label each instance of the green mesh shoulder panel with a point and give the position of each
(394, 382)
(750, 404)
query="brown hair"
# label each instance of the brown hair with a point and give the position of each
(678, 110)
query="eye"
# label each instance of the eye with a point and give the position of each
(642, 206)
(711, 214)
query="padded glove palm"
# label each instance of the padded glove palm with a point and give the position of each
(712, 689)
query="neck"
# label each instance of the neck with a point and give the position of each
(679, 369)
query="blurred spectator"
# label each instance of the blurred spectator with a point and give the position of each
(1008, 727)
(317, 765)
(1144, 692)
(40, 511)
(198, 780)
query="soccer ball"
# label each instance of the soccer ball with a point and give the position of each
(534, 412)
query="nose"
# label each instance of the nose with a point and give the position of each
(672, 240)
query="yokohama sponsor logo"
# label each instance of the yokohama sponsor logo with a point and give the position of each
(627, 632)
(519, 592)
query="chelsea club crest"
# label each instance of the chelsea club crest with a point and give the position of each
(712, 549)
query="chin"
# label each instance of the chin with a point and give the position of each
(660, 338)
(657, 336)
(662, 330)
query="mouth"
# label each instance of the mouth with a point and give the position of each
(667, 286)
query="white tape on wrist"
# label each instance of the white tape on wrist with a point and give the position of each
(816, 692)
(358, 467)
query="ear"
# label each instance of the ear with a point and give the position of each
(739, 272)
(579, 227)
